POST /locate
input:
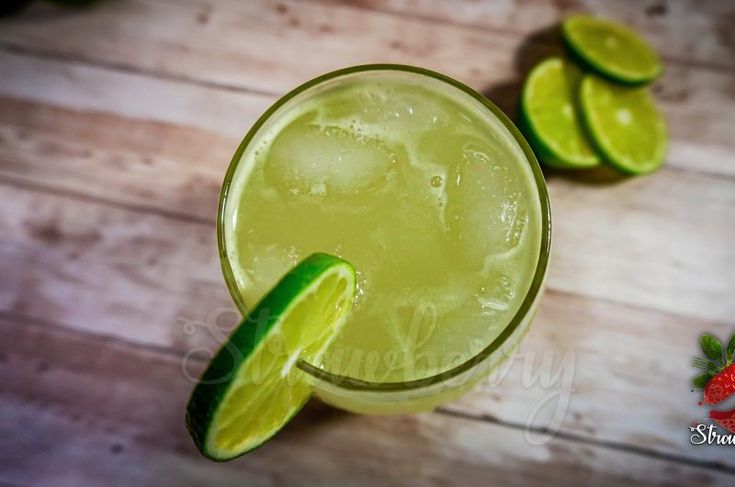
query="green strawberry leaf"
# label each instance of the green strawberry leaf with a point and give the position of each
(701, 363)
(711, 347)
(730, 349)
(700, 381)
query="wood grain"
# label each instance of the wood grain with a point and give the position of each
(623, 368)
(107, 270)
(110, 133)
(116, 125)
(123, 426)
(270, 47)
(620, 239)
(690, 32)
(656, 242)
(129, 274)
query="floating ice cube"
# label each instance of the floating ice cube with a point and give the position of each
(395, 111)
(497, 293)
(316, 160)
(484, 212)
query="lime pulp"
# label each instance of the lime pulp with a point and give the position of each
(624, 124)
(252, 386)
(611, 49)
(551, 118)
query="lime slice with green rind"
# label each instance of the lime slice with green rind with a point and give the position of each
(624, 124)
(252, 386)
(550, 116)
(611, 49)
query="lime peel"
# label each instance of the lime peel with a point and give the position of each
(624, 124)
(252, 387)
(550, 116)
(611, 49)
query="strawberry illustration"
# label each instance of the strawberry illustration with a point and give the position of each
(721, 386)
(726, 419)
(718, 378)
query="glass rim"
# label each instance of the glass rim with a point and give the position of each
(535, 288)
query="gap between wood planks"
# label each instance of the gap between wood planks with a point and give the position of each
(88, 198)
(124, 68)
(39, 53)
(613, 445)
(509, 33)
(114, 341)
(186, 217)
(44, 54)
(211, 223)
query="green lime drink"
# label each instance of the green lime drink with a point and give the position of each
(429, 192)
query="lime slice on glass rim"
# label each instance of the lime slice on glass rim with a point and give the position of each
(611, 49)
(252, 386)
(624, 123)
(550, 116)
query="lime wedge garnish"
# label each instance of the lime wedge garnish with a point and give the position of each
(611, 49)
(252, 386)
(550, 116)
(624, 123)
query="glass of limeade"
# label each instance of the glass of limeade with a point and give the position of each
(430, 192)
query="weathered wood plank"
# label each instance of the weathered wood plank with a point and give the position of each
(628, 240)
(89, 89)
(122, 425)
(149, 164)
(106, 270)
(142, 277)
(133, 275)
(269, 47)
(658, 242)
(684, 31)
(624, 370)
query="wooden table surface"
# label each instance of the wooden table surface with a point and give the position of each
(116, 125)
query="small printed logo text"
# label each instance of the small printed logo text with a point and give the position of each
(703, 434)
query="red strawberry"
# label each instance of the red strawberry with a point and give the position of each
(721, 386)
(726, 419)
(718, 376)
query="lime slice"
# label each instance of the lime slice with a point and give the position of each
(550, 116)
(625, 124)
(252, 386)
(611, 49)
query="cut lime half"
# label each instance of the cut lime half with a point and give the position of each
(551, 118)
(625, 125)
(252, 386)
(611, 49)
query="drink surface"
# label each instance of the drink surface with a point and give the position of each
(421, 188)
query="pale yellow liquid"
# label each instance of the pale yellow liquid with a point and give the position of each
(422, 189)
